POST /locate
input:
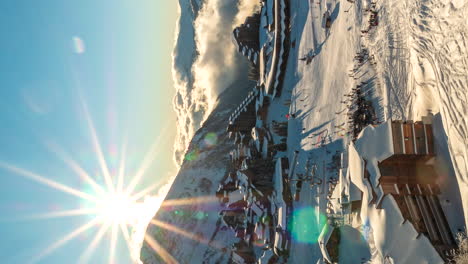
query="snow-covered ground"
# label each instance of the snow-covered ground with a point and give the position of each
(418, 66)
(317, 91)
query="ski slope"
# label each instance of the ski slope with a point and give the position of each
(418, 67)
(423, 51)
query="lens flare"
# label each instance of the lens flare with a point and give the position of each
(192, 155)
(79, 45)
(211, 139)
(166, 257)
(306, 225)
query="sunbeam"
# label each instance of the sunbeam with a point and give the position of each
(74, 166)
(121, 172)
(147, 160)
(40, 179)
(66, 213)
(184, 233)
(113, 243)
(115, 206)
(126, 235)
(158, 249)
(84, 258)
(97, 146)
(190, 201)
(64, 240)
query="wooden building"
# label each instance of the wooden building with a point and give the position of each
(413, 140)
(246, 38)
(411, 178)
(243, 119)
(243, 253)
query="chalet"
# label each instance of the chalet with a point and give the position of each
(246, 38)
(233, 218)
(261, 139)
(267, 13)
(280, 53)
(243, 119)
(323, 242)
(230, 184)
(391, 167)
(410, 177)
(240, 153)
(242, 253)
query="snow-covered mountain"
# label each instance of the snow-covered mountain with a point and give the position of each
(196, 208)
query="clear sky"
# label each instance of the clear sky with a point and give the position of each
(69, 68)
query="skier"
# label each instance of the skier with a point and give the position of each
(308, 58)
(327, 22)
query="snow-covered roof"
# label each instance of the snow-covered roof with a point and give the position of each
(236, 196)
(265, 258)
(279, 201)
(269, 11)
(392, 235)
(256, 209)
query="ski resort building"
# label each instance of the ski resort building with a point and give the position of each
(390, 183)
(245, 37)
(274, 54)
(410, 177)
(243, 119)
(242, 253)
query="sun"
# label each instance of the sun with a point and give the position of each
(116, 212)
(116, 208)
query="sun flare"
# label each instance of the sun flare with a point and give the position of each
(116, 208)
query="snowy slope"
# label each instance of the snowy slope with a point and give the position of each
(317, 91)
(205, 166)
(422, 58)
(419, 64)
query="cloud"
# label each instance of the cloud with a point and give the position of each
(204, 68)
(246, 8)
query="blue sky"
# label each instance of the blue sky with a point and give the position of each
(122, 76)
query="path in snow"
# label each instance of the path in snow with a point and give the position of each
(317, 130)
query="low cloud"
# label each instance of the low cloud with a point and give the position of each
(203, 73)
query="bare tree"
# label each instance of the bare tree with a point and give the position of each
(460, 255)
